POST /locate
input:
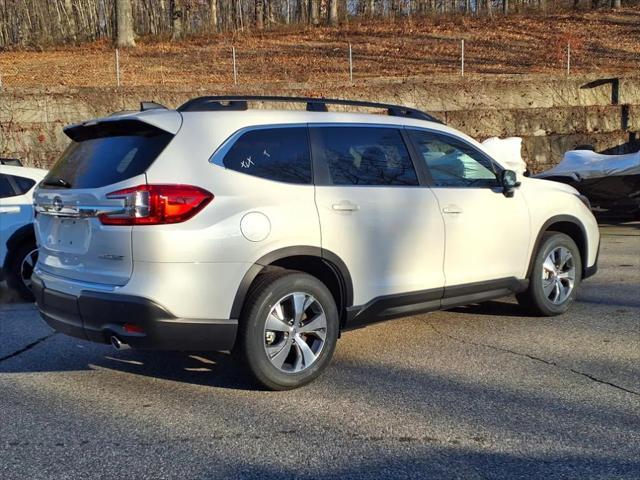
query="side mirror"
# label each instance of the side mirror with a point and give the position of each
(509, 181)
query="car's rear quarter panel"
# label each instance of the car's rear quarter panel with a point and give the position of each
(195, 267)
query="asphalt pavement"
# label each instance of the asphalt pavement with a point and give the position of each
(477, 392)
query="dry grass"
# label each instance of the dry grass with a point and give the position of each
(602, 42)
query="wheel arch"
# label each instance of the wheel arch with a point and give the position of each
(569, 225)
(318, 262)
(19, 237)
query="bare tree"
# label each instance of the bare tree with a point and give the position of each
(213, 15)
(124, 22)
(333, 12)
(260, 14)
(39, 22)
(542, 5)
(314, 12)
(70, 19)
(176, 20)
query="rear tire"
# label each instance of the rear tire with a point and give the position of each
(555, 277)
(21, 268)
(288, 329)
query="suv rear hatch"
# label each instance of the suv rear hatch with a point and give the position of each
(105, 156)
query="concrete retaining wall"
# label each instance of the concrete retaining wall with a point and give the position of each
(552, 114)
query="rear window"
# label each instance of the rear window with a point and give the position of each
(109, 153)
(23, 184)
(6, 190)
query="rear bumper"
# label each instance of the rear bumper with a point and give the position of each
(97, 316)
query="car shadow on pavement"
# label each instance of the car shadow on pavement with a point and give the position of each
(493, 308)
(450, 462)
(212, 369)
(55, 352)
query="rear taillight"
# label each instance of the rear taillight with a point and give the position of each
(157, 204)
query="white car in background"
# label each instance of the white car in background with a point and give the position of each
(18, 251)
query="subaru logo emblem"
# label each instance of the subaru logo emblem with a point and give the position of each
(57, 204)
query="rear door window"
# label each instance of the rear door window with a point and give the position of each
(363, 156)
(280, 154)
(108, 153)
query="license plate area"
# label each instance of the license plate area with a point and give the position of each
(69, 235)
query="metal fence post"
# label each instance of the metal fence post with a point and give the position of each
(462, 58)
(117, 67)
(350, 63)
(235, 68)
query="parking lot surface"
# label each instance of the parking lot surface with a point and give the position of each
(475, 392)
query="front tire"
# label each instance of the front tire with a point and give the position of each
(21, 268)
(288, 329)
(555, 277)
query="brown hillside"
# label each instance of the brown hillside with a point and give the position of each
(602, 42)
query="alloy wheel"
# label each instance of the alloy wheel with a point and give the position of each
(558, 275)
(26, 267)
(295, 332)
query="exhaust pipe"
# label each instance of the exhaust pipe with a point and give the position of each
(119, 344)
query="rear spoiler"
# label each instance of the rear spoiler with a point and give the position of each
(147, 122)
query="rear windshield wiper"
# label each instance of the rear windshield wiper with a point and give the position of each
(56, 182)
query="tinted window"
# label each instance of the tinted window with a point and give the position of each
(24, 184)
(106, 154)
(280, 154)
(452, 163)
(364, 156)
(6, 190)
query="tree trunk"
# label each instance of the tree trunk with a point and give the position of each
(333, 12)
(124, 22)
(260, 14)
(71, 20)
(616, 3)
(371, 8)
(176, 20)
(395, 8)
(314, 12)
(213, 15)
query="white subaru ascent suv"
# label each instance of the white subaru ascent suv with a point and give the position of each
(265, 232)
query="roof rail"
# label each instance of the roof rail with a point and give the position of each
(235, 103)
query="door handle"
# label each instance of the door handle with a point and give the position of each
(345, 206)
(9, 209)
(452, 210)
